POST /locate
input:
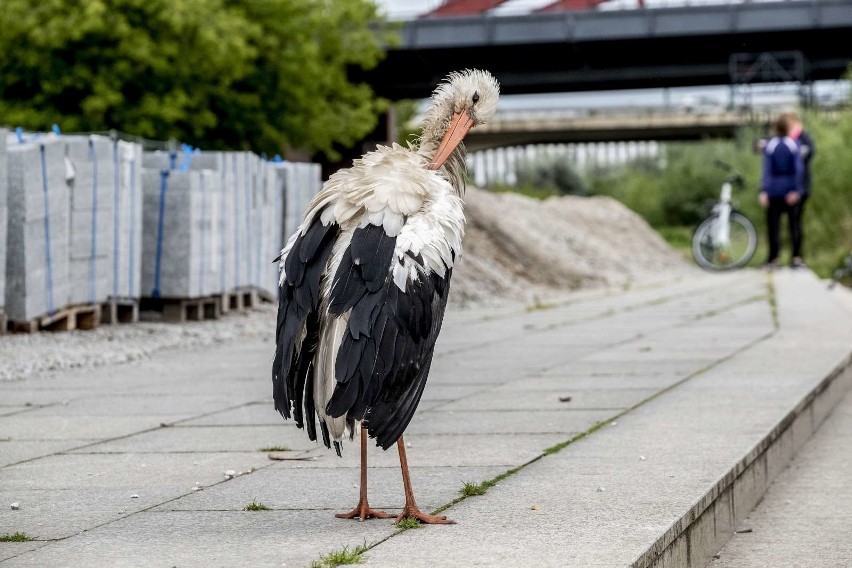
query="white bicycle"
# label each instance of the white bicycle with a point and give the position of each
(726, 239)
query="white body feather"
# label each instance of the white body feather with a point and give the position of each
(390, 187)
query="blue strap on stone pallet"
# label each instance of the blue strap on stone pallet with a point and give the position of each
(116, 217)
(92, 263)
(131, 289)
(47, 242)
(164, 184)
(187, 157)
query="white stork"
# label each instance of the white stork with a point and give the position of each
(364, 283)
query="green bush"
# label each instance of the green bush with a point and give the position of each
(551, 173)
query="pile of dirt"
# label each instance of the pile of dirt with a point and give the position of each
(520, 248)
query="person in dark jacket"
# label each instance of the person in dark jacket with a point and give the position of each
(782, 187)
(807, 149)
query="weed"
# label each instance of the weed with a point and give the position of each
(471, 489)
(341, 557)
(16, 537)
(274, 449)
(408, 523)
(255, 506)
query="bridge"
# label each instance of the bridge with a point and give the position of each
(568, 50)
(518, 128)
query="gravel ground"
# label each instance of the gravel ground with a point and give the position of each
(517, 250)
(22, 356)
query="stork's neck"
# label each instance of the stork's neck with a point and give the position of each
(455, 166)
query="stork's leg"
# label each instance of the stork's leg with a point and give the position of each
(411, 509)
(363, 510)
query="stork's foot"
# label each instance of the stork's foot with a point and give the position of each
(363, 512)
(413, 512)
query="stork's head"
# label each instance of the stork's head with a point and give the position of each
(465, 99)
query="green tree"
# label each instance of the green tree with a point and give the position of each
(243, 74)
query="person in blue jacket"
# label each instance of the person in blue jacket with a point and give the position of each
(782, 188)
(806, 146)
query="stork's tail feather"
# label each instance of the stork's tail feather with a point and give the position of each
(298, 325)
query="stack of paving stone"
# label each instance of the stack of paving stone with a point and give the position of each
(300, 182)
(223, 222)
(91, 182)
(180, 246)
(3, 215)
(126, 195)
(38, 233)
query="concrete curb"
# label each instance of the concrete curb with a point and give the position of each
(696, 538)
(708, 525)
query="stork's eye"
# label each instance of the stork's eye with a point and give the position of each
(475, 97)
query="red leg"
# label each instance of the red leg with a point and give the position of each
(362, 510)
(411, 509)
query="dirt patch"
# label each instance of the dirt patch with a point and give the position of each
(517, 247)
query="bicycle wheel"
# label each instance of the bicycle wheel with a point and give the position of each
(712, 255)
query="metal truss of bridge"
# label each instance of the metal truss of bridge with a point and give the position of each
(596, 49)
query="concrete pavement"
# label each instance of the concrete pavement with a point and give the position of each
(654, 396)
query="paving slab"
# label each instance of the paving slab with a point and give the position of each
(14, 451)
(183, 439)
(30, 426)
(286, 488)
(503, 422)
(504, 399)
(63, 495)
(207, 538)
(12, 549)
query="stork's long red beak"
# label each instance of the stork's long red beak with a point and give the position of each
(460, 125)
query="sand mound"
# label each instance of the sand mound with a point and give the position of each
(518, 248)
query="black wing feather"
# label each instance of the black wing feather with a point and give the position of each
(298, 310)
(384, 359)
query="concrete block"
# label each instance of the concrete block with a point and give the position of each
(4, 182)
(675, 556)
(191, 234)
(38, 230)
(128, 222)
(749, 488)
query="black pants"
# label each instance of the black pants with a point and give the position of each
(777, 206)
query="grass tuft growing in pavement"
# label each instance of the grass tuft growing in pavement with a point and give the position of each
(471, 489)
(341, 557)
(274, 449)
(773, 299)
(408, 523)
(255, 506)
(16, 537)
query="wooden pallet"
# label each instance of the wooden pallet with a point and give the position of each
(239, 300)
(120, 310)
(181, 309)
(72, 317)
